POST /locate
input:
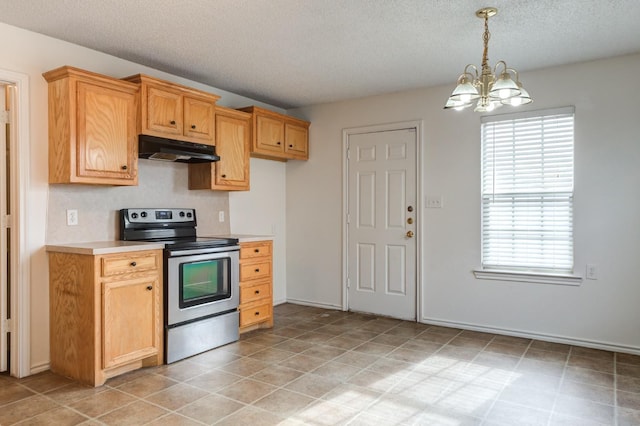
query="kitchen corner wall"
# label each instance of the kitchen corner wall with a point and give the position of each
(160, 184)
(602, 312)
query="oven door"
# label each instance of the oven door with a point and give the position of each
(200, 285)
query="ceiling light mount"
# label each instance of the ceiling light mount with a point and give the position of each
(491, 87)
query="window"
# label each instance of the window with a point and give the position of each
(527, 192)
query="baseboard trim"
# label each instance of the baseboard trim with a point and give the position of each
(39, 368)
(532, 335)
(314, 304)
(279, 302)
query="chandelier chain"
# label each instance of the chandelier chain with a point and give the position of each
(486, 36)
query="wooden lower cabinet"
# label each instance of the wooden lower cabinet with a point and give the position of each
(105, 313)
(256, 285)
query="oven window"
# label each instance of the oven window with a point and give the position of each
(204, 281)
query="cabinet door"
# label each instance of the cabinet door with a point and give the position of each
(269, 134)
(164, 111)
(106, 132)
(232, 145)
(130, 320)
(296, 141)
(198, 120)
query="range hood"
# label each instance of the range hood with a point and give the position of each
(155, 148)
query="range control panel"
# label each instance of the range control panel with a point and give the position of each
(159, 215)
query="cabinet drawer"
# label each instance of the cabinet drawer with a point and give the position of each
(255, 292)
(255, 270)
(254, 314)
(253, 250)
(129, 264)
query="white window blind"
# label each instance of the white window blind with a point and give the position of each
(527, 191)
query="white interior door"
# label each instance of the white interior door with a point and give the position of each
(381, 222)
(4, 226)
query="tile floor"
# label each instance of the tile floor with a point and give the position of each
(322, 367)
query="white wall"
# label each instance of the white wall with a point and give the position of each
(161, 184)
(262, 212)
(607, 208)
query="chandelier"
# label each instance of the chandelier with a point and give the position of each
(492, 88)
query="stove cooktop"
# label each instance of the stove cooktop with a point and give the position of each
(198, 242)
(175, 227)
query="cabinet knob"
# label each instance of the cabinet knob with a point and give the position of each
(172, 122)
(133, 264)
(257, 292)
(257, 270)
(149, 287)
(257, 313)
(257, 250)
(193, 126)
(290, 146)
(124, 167)
(278, 143)
(223, 176)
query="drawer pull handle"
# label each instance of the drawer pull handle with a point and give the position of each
(257, 250)
(257, 313)
(257, 270)
(193, 126)
(124, 167)
(172, 122)
(149, 287)
(134, 264)
(257, 291)
(223, 176)
(290, 146)
(278, 143)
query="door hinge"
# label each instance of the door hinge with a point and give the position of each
(5, 117)
(348, 282)
(7, 326)
(348, 218)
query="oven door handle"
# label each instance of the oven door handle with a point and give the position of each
(208, 250)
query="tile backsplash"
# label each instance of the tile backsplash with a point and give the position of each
(160, 184)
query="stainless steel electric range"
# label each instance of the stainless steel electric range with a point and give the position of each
(201, 282)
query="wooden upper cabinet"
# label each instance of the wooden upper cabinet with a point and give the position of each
(278, 136)
(170, 110)
(231, 173)
(92, 128)
(296, 140)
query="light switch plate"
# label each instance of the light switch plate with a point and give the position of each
(433, 201)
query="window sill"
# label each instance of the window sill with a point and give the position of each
(528, 277)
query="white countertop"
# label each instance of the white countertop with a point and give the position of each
(246, 238)
(103, 247)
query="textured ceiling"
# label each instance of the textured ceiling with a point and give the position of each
(292, 53)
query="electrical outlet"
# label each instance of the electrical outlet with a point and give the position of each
(72, 217)
(221, 216)
(592, 271)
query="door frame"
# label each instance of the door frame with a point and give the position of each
(20, 285)
(418, 126)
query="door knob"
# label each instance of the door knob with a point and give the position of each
(409, 234)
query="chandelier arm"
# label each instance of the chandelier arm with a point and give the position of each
(475, 70)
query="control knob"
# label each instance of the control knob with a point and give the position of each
(134, 215)
(143, 214)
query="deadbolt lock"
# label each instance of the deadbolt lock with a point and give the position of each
(410, 208)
